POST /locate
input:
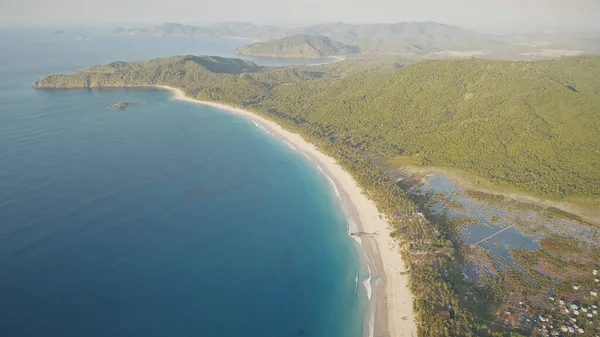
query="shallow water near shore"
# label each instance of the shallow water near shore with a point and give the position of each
(165, 218)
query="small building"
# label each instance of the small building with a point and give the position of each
(596, 280)
(564, 328)
(580, 330)
(566, 310)
(575, 287)
(576, 312)
(589, 314)
(573, 306)
(594, 272)
(571, 329)
(594, 293)
(443, 312)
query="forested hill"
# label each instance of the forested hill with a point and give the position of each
(309, 46)
(533, 125)
(187, 71)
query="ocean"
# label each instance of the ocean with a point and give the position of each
(166, 218)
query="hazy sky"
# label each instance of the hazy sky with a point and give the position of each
(470, 13)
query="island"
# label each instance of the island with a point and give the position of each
(298, 46)
(120, 105)
(444, 161)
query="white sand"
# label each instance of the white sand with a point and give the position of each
(363, 214)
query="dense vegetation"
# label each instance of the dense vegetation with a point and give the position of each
(301, 45)
(533, 125)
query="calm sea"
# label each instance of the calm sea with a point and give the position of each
(166, 218)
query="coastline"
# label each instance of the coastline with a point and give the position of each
(391, 303)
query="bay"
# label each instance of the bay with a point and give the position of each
(162, 219)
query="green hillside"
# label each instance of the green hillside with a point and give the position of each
(533, 125)
(309, 46)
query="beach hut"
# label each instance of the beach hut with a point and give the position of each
(443, 312)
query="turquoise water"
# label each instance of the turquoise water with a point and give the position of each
(166, 218)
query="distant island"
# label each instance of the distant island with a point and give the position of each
(413, 39)
(298, 46)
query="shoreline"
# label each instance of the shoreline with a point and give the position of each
(390, 308)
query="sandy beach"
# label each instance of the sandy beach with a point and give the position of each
(391, 302)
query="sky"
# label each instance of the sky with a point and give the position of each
(480, 14)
